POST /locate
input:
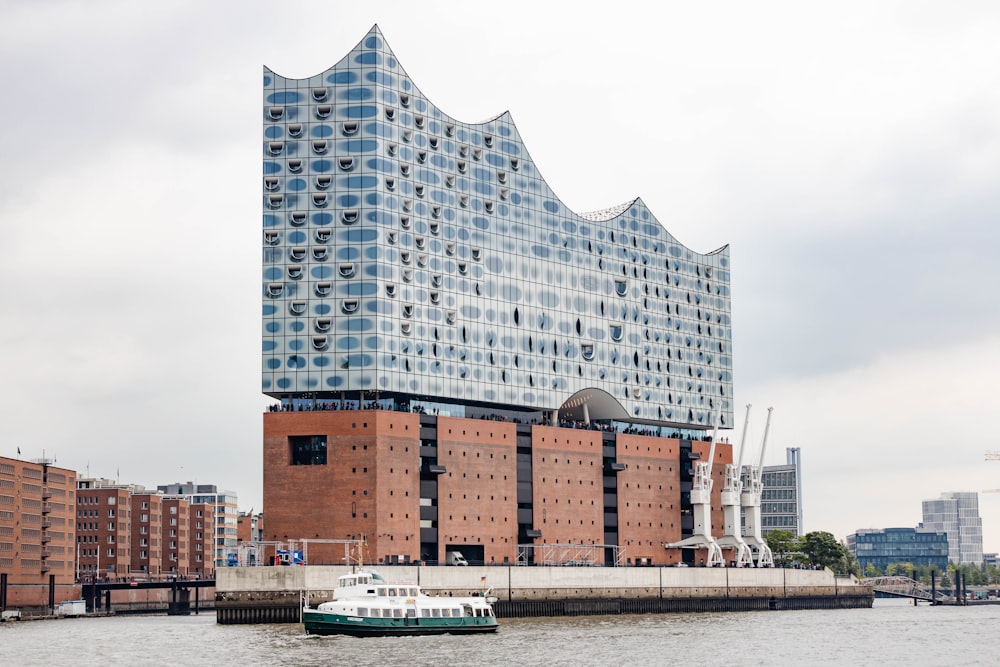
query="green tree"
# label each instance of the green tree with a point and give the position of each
(848, 561)
(784, 545)
(871, 570)
(822, 548)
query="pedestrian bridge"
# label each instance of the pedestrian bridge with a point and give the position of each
(906, 588)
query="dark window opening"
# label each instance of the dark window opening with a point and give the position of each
(308, 450)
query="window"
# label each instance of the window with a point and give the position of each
(307, 450)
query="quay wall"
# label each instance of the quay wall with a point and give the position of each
(250, 595)
(33, 599)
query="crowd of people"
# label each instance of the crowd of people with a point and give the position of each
(316, 405)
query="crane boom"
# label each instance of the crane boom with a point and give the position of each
(763, 442)
(743, 438)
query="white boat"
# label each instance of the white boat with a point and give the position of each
(364, 604)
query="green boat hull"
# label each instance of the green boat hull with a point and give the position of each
(318, 623)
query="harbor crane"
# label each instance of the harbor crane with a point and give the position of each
(701, 507)
(732, 534)
(750, 499)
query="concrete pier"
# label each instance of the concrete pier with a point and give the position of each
(273, 594)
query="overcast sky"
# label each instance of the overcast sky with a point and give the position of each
(848, 152)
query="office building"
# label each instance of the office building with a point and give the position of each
(225, 515)
(781, 498)
(894, 546)
(459, 360)
(957, 514)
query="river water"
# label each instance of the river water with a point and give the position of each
(893, 632)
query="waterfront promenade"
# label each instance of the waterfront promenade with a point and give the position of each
(274, 594)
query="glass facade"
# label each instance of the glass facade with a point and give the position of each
(957, 514)
(882, 548)
(410, 256)
(781, 496)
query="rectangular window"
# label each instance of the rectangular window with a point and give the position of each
(307, 450)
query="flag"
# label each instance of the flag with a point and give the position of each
(18, 451)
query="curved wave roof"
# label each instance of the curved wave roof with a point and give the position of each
(409, 253)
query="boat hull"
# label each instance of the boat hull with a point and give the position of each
(320, 623)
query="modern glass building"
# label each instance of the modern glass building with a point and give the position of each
(413, 260)
(781, 497)
(916, 546)
(462, 362)
(957, 514)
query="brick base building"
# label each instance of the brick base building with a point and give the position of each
(417, 486)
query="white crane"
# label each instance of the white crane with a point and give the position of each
(701, 507)
(732, 533)
(750, 500)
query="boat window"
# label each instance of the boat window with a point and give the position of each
(425, 612)
(413, 593)
(397, 613)
(381, 592)
(362, 611)
(436, 613)
(392, 592)
(411, 612)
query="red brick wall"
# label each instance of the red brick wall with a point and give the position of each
(37, 522)
(649, 492)
(567, 479)
(369, 487)
(477, 496)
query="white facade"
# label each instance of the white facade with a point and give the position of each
(957, 514)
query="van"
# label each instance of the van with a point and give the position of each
(454, 558)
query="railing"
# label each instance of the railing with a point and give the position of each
(904, 587)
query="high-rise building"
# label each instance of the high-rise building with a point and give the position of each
(957, 514)
(781, 499)
(461, 361)
(225, 514)
(884, 547)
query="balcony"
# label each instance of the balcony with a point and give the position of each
(46, 493)
(46, 538)
(46, 508)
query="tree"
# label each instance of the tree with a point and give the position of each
(783, 544)
(871, 570)
(822, 548)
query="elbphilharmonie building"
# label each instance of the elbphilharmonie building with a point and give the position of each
(408, 254)
(459, 360)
